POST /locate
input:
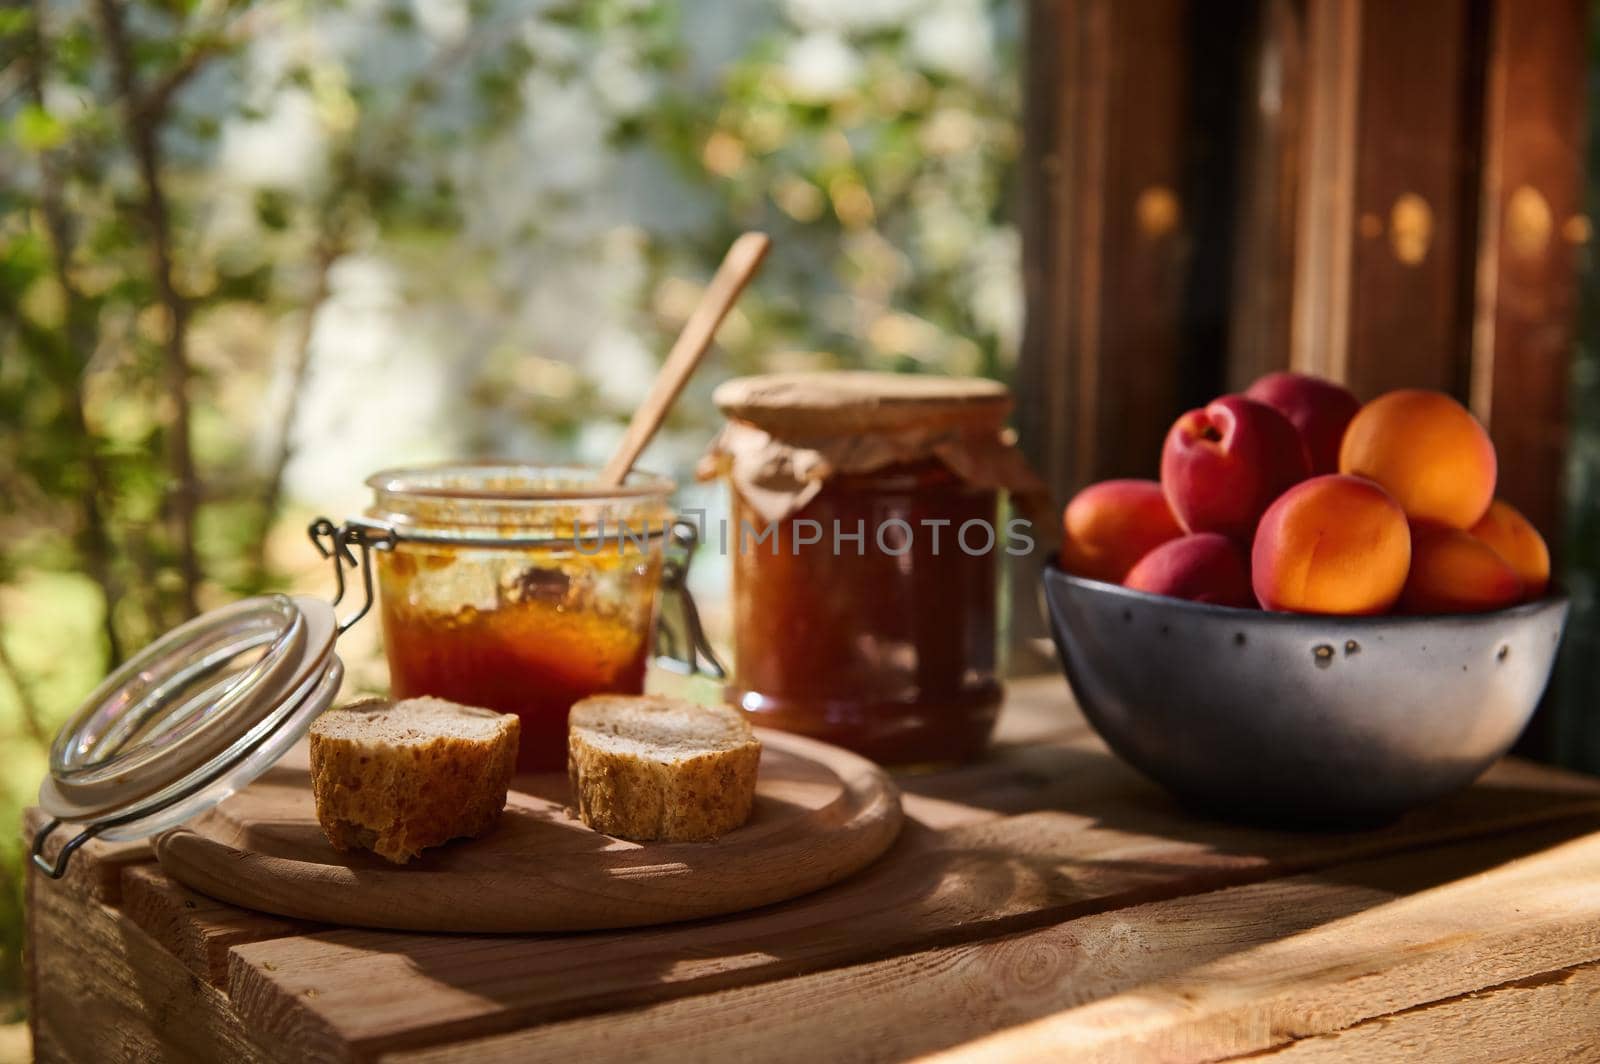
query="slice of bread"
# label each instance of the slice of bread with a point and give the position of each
(661, 769)
(395, 777)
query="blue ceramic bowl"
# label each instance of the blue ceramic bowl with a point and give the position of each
(1295, 718)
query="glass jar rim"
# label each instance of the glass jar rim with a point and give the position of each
(523, 482)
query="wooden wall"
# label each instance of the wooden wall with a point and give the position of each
(1385, 193)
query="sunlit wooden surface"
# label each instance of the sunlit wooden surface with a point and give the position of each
(1045, 902)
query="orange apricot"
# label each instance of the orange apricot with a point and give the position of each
(1109, 526)
(1454, 572)
(1332, 544)
(1428, 452)
(1514, 538)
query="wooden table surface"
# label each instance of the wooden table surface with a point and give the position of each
(1046, 902)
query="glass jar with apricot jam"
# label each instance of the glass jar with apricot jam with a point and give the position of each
(866, 536)
(521, 589)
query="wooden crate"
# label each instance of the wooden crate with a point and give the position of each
(1046, 902)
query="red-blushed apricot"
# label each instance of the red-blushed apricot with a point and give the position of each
(1332, 544)
(1204, 567)
(1428, 451)
(1455, 572)
(1109, 526)
(1223, 464)
(1514, 538)
(1318, 409)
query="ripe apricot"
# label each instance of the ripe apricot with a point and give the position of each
(1109, 526)
(1514, 538)
(1455, 572)
(1319, 410)
(1331, 544)
(1428, 451)
(1204, 567)
(1223, 464)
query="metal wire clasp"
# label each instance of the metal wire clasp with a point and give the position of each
(58, 868)
(334, 542)
(682, 540)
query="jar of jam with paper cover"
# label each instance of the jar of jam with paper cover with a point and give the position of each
(867, 537)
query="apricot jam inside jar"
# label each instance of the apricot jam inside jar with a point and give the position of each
(866, 537)
(519, 588)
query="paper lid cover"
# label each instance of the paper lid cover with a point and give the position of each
(808, 405)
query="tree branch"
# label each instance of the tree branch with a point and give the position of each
(82, 339)
(142, 130)
(158, 97)
(208, 45)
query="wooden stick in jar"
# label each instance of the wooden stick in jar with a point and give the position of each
(738, 266)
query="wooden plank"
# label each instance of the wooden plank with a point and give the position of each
(1553, 1016)
(1148, 241)
(30, 957)
(1099, 838)
(1428, 928)
(1415, 207)
(1527, 269)
(96, 869)
(1193, 978)
(1062, 176)
(1271, 144)
(1079, 774)
(1063, 152)
(1320, 338)
(105, 990)
(1532, 220)
(195, 929)
(1105, 240)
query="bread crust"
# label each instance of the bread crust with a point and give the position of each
(649, 797)
(397, 799)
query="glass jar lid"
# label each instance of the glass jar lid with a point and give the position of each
(197, 714)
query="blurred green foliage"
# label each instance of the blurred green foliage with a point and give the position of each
(210, 208)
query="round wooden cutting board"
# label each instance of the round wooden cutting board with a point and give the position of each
(821, 814)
